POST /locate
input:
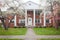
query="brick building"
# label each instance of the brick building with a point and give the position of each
(34, 16)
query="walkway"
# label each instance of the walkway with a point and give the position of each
(30, 35)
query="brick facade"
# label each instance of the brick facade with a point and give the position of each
(56, 12)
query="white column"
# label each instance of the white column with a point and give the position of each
(40, 20)
(15, 21)
(34, 17)
(44, 18)
(25, 17)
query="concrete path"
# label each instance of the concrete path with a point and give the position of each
(30, 35)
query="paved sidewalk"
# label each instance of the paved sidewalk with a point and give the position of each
(30, 35)
(13, 36)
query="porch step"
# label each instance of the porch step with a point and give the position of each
(30, 26)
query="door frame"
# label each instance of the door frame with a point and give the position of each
(29, 21)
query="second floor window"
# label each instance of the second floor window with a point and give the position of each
(37, 12)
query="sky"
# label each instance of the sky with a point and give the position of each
(36, 1)
(24, 1)
(41, 2)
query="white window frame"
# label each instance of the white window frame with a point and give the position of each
(21, 20)
(49, 20)
(37, 21)
(40, 21)
(0, 21)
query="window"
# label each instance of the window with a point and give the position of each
(37, 12)
(22, 21)
(12, 21)
(37, 21)
(40, 21)
(47, 20)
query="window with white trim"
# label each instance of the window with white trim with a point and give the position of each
(47, 20)
(40, 20)
(22, 21)
(37, 20)
(37, 12)
(12, 21)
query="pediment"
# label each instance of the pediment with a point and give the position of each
(31, 5)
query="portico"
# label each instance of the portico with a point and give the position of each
(29, 17)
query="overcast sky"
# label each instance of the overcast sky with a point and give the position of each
(24, 1)
(36, 1)
(41, 2)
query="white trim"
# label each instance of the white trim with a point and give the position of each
(19, 20)
(40, 21)
(25, 17)
(34, 17)
(44, 18)
(15, 21)
(49, 20)
(0, 21)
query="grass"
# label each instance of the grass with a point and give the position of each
(11, 39)
(13, 31)
(50, 39)
(46, 31)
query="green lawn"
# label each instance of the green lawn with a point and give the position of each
(11, 39)
(51, 39)
(13, 31)
(46, 31)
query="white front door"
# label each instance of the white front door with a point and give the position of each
(29, 21)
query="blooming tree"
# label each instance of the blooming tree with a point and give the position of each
(10, 7)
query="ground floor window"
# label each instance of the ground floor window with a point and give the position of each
(47, 20)
(37, 21)
(22, 21)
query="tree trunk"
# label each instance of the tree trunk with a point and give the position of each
(5, 27)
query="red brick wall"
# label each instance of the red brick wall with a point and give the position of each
(9, 17)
